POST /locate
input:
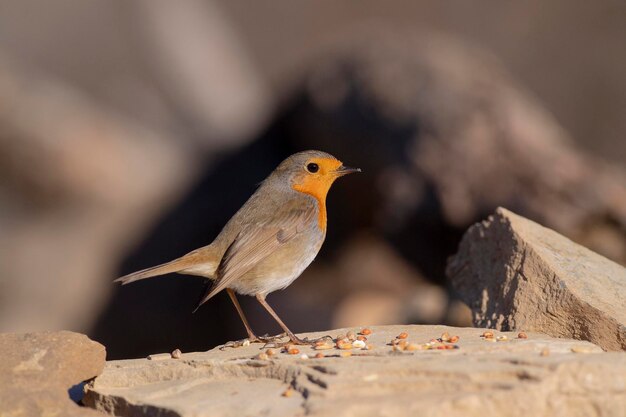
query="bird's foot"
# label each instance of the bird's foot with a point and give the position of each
(295, 340)
(265, 339)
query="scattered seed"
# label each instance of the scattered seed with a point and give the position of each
(325, 346)
(487, 335)
(502, 338)
(361, 338)
(365, 332)
(340, 337)
(414, 346)
(581, 349)
(400, 346)
(402, 335)
(544, 352)
(304, 356)
(343, 342)
(270, 352)
(490, 339)
(345, 346)
(445, 337)
(358, 344)
(245, 343)
(159, 356)
(262, 356)
(293, 351)
(345, 354)
(351, 336)
(522, 335)
(320, 355)
(288, 392)
(176, 354)
(454, 339)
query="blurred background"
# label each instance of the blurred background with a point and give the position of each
(130, 132)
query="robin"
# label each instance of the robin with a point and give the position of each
(270, 241)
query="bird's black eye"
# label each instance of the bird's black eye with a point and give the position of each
(312, 167)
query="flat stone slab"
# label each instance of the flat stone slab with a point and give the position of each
(514, 273)
(38, 369)
(539, 375)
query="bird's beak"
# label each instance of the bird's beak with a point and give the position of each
(344, 170)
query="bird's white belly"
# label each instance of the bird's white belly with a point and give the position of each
(276, 281)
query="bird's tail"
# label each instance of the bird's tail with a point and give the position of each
(176, 265)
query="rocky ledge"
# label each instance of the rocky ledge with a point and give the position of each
(472, 375)
(514, 273)
(38, 370)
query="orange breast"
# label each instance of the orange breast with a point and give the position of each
(319, 191)
(317, 184)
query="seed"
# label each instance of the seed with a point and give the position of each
(361, 338)
(159, 356)
(522, 335)
(340, 337)
(288, 392)
(351, 335)
(454, 339)
(490, 339)
(320, 342)
(293, 351)
(176, 354)
(365, 331)
(581, 349)
(323, 347)
(544, 352)
(445, 337)
(502, 338)
(401, 345)
(414, 346)
(488, 335)
(358, 344)
(262, 356)
(304, 356)
(319, 356)
(270, 352)
(345, 354)
(402, 335)
(345, 346)
(245, 343)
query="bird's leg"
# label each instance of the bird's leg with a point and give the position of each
(251, 336)
(292, 337)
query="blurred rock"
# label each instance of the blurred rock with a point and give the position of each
(38, 369)
(444, 135)
(78, 183)
(449, 135)
(515, 274)
(509, 378)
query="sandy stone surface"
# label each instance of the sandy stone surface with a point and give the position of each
(514, 273)
(536, 376)
(38, 369)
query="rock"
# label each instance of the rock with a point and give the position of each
(516, 274)
(38, 369)
(512, 378)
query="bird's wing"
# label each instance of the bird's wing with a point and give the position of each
(254, 243)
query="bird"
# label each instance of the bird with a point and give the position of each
(269, 241)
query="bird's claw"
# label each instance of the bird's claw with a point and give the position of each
(266, 339)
